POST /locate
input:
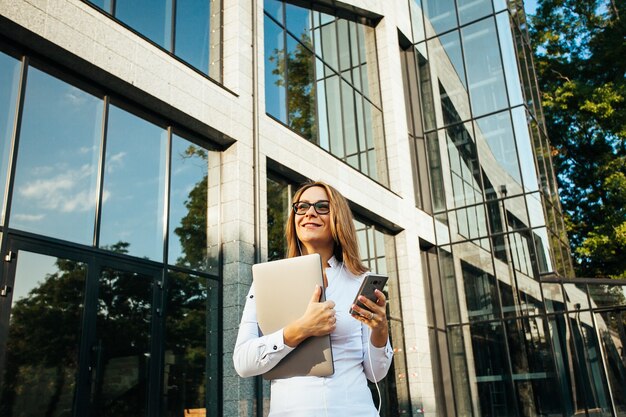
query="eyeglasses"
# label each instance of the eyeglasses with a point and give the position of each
(320, 207)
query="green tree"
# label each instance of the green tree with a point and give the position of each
(580, 58)
(296, 72)
(192, 231)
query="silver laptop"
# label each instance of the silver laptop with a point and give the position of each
(283, 290)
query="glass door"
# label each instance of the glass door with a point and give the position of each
(42, 311)
(121, 350)
(77, 333)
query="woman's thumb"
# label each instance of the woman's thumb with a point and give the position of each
(317, 292)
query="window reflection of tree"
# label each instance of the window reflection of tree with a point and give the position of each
(294, 71)
(192, 230)
(191, 310)
(42, 347)
(123, 327)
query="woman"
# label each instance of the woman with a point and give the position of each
(321, 222)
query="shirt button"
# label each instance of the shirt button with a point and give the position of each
(275, 347)
(251, 296)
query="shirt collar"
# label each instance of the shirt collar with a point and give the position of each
(333, 262)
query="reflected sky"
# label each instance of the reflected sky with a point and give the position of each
(55, 180)
(133, 196)
(192, 32)
(151, 18)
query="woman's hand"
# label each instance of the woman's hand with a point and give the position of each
(374, 316)
(318, 320)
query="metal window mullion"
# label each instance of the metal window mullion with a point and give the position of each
(173, 28)
(101, 170)
(167, 194)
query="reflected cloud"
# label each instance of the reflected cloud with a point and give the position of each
(115, 161)
(75, 97)
(69, 191)
(28, 218)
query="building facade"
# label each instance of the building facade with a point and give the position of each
(149, 150)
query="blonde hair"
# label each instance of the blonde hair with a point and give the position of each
(342, 228)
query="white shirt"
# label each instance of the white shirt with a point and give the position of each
(342, 394)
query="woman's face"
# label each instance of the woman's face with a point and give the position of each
(312, 228)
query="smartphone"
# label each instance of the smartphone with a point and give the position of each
(370, 283)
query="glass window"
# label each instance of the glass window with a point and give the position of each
(542, 250)
(436, 171)
(278, 206)
(534, 376)
(275, 75)
(449, 286)
(191, 346)
(350, 124)
(335, 122)
(607, 295)
(151, 18)
(417, 20)
(524, 149)
(328, 49)
(301, 111)
(589, 372)
(275, 9)
(481, 291)
(612, 334)
(9, 84)
(44, 333)
(499, 157)
(445, 51)
(529, 291)
(372, 247)
(484, 67)
(440, 16)
(187, 243)
(576, 296)
(123, 329)
(299, 22)
(103, 4)
(499, 5)
(57, 167)
(322, 109)
(513, 80)
(133, 195)
(470, 10)
(426, 84)
(464, 168)
(343, 43)
(535, 209)
(314, 86)
(193, 31)
(553, 297)
(457, 337)
(492, 373)
(196, 23)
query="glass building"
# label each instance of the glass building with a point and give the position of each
(205, 116)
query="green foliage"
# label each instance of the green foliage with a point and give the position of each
(580, 57)
(295, 71)
(278, 199)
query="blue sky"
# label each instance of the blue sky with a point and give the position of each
(530, 6)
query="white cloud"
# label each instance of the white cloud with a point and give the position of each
(115, 161)
(28, 218)
(68, 191)
(75, 97)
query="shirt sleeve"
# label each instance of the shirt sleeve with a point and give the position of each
(376, 360)
(254, 354)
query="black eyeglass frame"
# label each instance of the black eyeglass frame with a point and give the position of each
(309, 205)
